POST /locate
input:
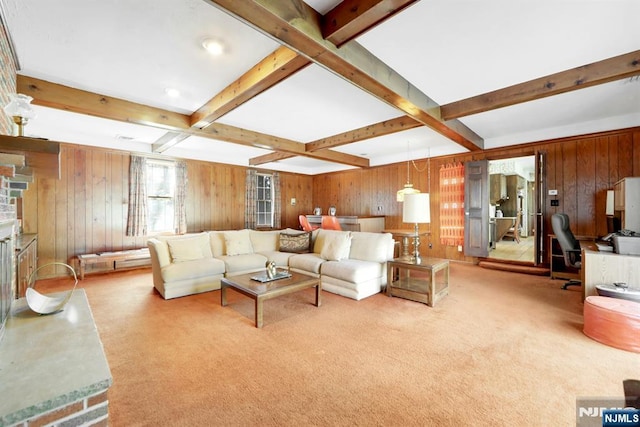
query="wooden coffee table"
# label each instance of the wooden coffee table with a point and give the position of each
(260, 292)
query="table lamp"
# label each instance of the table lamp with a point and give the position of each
(416, 210)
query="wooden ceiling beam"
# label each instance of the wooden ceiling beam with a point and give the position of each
(78, 101)
(260, 140)
(386, 127)
(297, 25)
(268, 158)
(66, 98)
(271, 70)
(608, 70)
(351, 18)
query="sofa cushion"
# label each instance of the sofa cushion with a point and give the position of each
(182, 250)
(280, 258)
(192, 269)
(334, 245)
(371, 246)
(352, 270)
(263, 241)
(235, 263)
(306, 262)
(199, 239)
(237, 242)
(299, 243)
(216, 243)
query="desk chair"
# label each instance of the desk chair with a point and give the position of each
(304, 223)
(330, 223)
(569, 244)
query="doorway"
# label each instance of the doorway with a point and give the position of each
(512, 209)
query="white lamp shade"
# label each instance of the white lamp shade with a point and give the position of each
(20, 106)
(416, 209)
(609, 207)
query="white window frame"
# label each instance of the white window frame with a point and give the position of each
(264, 205)
(167, 223)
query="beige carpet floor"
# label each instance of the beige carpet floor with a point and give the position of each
(503, 349)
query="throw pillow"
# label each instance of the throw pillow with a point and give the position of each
(336, 247)
(295, 243)
(238, 242)
(182, 250)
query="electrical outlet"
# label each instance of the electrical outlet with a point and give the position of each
(379, 208)
(293, 201)
(555, 202)
(459, 248)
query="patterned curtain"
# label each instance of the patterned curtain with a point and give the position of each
(137, 218)
(180, 211)
(277, 203)
(452, 204)
(250, 199)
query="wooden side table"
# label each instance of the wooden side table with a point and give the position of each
(428, 286)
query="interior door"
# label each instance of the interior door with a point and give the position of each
(540, 188)
(476, 208)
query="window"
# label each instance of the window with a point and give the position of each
(161, 186)
(264, 201)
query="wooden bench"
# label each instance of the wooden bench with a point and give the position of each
(119, 260)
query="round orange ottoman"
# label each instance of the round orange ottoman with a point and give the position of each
(613, 321)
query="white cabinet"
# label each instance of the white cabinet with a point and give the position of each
(626, 202)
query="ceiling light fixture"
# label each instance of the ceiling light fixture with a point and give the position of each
(213, 46)
(173, 93)
(408, 187)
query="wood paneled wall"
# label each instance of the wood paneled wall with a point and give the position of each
(86, 210)
(580, 168)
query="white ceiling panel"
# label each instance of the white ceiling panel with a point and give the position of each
(133, 50)
(310, 105)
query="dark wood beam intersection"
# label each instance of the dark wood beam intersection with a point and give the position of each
(351, 18)
(297, 25)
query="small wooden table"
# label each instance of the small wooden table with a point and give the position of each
(260, 292)
(424, 288)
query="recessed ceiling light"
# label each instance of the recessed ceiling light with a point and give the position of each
(213, 46)
(174, 93)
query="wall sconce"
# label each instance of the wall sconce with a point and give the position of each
(20, 110)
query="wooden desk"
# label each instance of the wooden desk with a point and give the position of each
(372, 224)
(557, 267)
(599, 268)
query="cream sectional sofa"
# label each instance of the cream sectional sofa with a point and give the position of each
(351, 264)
